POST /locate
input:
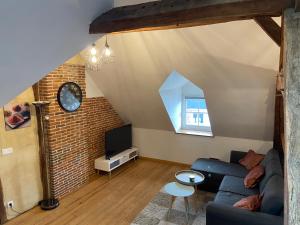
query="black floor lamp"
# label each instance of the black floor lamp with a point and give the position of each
(48, 201)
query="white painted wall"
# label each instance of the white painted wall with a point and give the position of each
(167, 145)
(234, 63)
(192, 90)
(92, 90)
(37, 36)
(172, 103)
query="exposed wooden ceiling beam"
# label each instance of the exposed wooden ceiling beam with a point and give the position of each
(270, 27)
(166, 14)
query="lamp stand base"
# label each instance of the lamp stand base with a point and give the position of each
(49, 204)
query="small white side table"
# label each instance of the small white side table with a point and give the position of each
(178, 190)
(183, 177)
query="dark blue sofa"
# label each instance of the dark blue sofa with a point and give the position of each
(226, 179)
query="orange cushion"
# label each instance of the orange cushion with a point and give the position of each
(251, 203)
(254, 176)
(251, 160)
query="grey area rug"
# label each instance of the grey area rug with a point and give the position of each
(156, 212)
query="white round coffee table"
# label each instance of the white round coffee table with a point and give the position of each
(184, 177)
(179, 190)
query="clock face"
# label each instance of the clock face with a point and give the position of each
(69, 96)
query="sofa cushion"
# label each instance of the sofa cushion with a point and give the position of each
(251, 160)
(227, 198)
(219, 167)
(273, 196)
(236, 185)
(254, 176)
(271, 155)
(272, 167)
(251, 203)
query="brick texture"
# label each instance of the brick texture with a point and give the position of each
(74, 139)
(100, 118)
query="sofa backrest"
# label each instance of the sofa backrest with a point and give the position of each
(271, 155)
(272, 167)
(273, 196)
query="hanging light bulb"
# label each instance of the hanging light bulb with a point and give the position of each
(107, 50)
(107, 55)
(94, 59)
(93, 50)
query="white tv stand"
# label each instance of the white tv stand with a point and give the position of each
(109, 165)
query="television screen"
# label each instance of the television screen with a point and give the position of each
(118, 140)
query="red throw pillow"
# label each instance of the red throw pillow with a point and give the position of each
(254, 176)
(251, 160)
(251, 203)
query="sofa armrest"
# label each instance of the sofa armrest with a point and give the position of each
(235, 156)
(221, 214)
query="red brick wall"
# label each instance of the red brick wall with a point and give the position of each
(74, 139)
(100, 118)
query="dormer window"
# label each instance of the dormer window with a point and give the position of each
(186, 106)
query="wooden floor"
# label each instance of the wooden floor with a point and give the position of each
(107, 202)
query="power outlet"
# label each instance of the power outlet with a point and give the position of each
(10, 204)
(7, 151)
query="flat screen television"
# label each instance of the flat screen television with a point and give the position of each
(118, 140)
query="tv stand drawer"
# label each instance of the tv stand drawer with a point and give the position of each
(114, 164)
(125, 158)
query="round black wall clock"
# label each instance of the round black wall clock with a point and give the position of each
(69, 96)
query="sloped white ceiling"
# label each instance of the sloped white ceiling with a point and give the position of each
(234, 63)
(37, 36)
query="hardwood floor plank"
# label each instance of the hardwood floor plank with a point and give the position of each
(107, 202)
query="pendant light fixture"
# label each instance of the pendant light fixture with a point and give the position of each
(107, 55)
(96, 59)
(93, 55)
(93, 49)
(107, 50)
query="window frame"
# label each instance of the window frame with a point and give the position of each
(184, 126)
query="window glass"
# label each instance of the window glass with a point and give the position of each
(196, 114)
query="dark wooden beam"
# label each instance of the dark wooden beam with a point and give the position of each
(168, 14)
(2, 207)
(278, 141)
(281, 47)
(270, 27)
(297, 5)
